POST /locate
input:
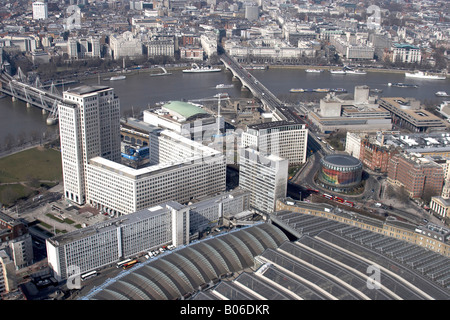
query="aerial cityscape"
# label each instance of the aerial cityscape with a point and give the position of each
(225, 150)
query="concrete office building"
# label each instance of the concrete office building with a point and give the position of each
(207, 213)
(136, 132)
(105, 243)
(125, 237)
(265, 176)
(125, 45)
(161, 47)
(8, 280)
(180, 170)
(15, 241)
(80, 48)
(362, 113)
(186, 119)
(251, 12)
(89, 126)
(406, 53)
(23, 43)
(352, 50)
(407, 113)
(209, 40)
(282, 138)
(40, 10)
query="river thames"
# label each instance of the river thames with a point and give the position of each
(138, 91)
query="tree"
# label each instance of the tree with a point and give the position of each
(21, 138)
(9, 142)
(402, 195)
(427, 195)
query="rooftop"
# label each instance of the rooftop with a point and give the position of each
(177, 273)
(184, 109)
(437, 142)
(405, 46)
(410, 110)
(342, 160)
(272, 124)
(139, 125)
(62, 239)
(85, 89)
(199, 153)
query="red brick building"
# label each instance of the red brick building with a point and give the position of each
(11, 228)
(192, 53)
(375, 157)
(189, 40)
(418, 175)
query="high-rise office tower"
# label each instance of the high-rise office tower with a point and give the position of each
(265, 176)
(282, 138)
(89, 124)
(40, 10)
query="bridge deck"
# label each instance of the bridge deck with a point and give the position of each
(268, 99)
(28, 93)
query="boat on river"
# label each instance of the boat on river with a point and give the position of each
(402, 85)
(201, 69)
(224, 86)
(355, 72)
(115, 78)
(424, 75)
(442, 94)
(338, 72)
(313, 70)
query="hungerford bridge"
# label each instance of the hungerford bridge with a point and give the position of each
(268, 99)
(34, 94)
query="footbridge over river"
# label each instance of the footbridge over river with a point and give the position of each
(33, 94)
(268, 99)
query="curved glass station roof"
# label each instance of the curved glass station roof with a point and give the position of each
(185, 270)
(329, 260)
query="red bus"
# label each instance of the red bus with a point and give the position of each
(339, 199)
(349, 203)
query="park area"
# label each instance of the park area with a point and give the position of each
(27, 173)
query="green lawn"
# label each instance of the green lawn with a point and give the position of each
(37, 163)
(34, 167)
(10, 193)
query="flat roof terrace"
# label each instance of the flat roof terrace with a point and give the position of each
(416, 117)
(85, 89)
(108, 225)
(272, 124)
(200, 154)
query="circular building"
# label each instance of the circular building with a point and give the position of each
(340, 173)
